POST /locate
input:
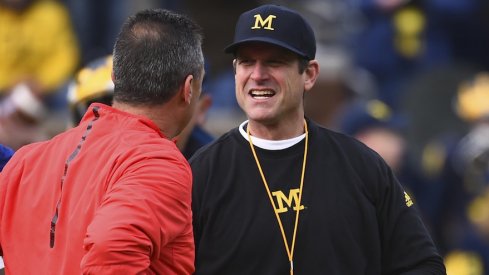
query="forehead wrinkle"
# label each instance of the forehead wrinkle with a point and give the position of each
(264, 50)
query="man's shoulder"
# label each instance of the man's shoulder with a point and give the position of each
(342, 144)
(332, 136)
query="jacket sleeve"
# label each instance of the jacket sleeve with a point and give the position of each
(145, 210)
(407, 247)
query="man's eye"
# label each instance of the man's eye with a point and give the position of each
(244, 62)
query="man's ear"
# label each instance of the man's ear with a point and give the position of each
(311, 74)
(187, 89)
(112, 76)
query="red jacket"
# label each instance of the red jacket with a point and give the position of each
(111, 196)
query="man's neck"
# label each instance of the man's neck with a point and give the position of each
(157, 113)
(277, 131)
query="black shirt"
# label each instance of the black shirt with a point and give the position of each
(355, 217)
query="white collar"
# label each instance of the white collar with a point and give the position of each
(271, 144)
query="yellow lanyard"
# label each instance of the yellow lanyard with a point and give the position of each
(290, 251)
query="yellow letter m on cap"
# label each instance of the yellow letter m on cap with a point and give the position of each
(266, 24)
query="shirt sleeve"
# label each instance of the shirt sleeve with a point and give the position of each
(142, 212)
(407, 247)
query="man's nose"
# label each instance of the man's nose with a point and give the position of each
(260, 72)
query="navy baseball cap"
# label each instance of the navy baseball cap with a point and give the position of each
(275, 25)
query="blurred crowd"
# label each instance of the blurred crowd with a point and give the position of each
(409, 78)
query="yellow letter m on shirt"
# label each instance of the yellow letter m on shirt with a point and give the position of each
(281, 198)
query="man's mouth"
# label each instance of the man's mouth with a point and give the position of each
(261, 93)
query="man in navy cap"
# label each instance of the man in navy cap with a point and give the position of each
(279, 194)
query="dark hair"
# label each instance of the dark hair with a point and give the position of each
(303, 64)
(154, 52)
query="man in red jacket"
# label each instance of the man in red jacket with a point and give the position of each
(112, 195)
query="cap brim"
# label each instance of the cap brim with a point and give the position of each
(233, 47)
